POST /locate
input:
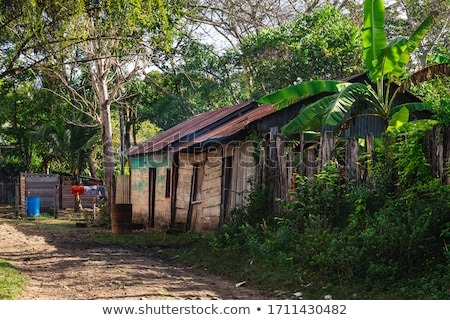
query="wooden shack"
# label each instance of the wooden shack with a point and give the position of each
(191, 176)
(43, 186)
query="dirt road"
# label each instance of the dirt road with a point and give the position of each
(71, 266)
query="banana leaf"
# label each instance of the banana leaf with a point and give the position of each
(398, 119)
(373, 35)
(436, 58)
(343, 101)
(289, 95)
(428, 73)
(329, 110)
(395, 56)
(411, 107)
(309, 117)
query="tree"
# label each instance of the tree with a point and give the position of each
(111, 41)
(70, 145)
(233, 20)
(385, 62)
(317, 45)
(24, 108)
(405, 15)
(191, 80)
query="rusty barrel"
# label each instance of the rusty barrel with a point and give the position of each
(121, 221)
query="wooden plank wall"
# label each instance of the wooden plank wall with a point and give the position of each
(68, 199)
(183, 193)
(123, 189)
(244, 170)
(208, 216)
(162, 200)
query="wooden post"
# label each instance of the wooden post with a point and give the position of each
(301, 161)
(273, 170)
(17, 198)
(327, 145)
(290, 170)
(23, 195)
(282, 168)
(351, 159)
(369, 144)
(436, 153)
(310, 164)
(446, 156)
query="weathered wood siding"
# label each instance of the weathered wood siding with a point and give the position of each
(123, 189)
(139, 195)
(207, 212)
(162, 202)
(199, 213)
(68, 199)
(243, 171)
(183, 193)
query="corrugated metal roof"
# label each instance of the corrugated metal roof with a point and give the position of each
(192, 128)
(230, 128)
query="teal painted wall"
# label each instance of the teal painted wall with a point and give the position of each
(151, 161)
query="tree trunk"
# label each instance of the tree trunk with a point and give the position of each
(92, 167)
(101, 85)
(108, 156)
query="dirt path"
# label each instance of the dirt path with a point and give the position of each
(74, 267)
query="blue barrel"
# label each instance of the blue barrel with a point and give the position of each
(33, 205)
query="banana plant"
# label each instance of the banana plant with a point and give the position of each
(385, 63)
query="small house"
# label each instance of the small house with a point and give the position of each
(191, 176)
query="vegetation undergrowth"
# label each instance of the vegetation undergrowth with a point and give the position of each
(386, 239)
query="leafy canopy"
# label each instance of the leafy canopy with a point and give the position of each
(385, 64)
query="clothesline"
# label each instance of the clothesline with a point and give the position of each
(87, 190)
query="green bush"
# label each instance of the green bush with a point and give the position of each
(384, 239)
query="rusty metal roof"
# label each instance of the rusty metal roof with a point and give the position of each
(193, 128)
(230, 128)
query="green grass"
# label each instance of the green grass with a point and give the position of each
(12, 282)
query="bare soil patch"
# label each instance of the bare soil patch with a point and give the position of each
(72, 266)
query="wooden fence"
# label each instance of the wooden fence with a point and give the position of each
(123, 192)
(284, 159)
(7, 193)
(53, 192)
(68, 200)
